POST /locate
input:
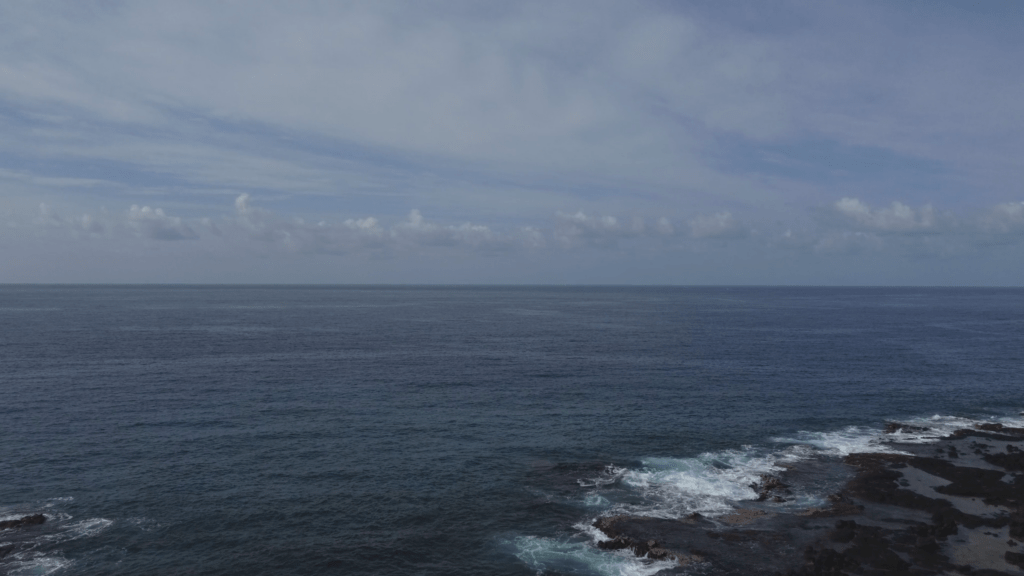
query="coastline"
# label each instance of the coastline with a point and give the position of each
(955, 505)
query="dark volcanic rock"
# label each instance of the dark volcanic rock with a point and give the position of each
(894, 427)
(607, 524)
(841, 506)
(1012, 459)
(899, 514)
(621, 542)
(1019, 432)
(824, 562)
(1017, 524)
(23, 521)
(878, 479)
(770, 487)
(871, 547)
(734, 551)
(1003, 433)
(649, 548)
(844, 532)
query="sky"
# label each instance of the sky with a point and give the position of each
(521, 142)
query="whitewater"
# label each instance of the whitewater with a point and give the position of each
(230, 430)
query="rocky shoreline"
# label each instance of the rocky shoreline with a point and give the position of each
(7, 548)
(953, 506)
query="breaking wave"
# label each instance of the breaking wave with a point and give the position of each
(574, 556)
(37, 551)
(674, 487)
(712, 484)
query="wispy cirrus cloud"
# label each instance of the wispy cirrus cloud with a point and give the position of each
(379, 128)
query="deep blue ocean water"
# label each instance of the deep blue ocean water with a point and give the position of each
(433, 430)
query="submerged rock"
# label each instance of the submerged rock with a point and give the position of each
(770, 487)
(23, 521)
(959, 512)
(894, 427)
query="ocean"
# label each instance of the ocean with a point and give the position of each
(238, 430)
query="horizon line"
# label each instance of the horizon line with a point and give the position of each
(480, 285)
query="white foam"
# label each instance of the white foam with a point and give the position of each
(710, 484)
(30, 561)
(675, 487)
(80, 529)
(90, 527)
(567, 556)
(609, 476)
(858, 439)
(18, 516)
(588, 530)
(849, 440)
(38, 566)
(940, 426)
(596, 501)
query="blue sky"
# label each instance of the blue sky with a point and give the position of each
(527, 142)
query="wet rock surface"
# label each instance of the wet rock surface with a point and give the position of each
(12, 536)
(771, 487)
(31, 520)
(955, 506)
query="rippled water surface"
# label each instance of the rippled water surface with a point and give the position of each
(384, 430)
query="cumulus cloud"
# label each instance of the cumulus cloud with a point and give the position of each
(664, 227)
(532, 237)
(847, 226)
(368, 233)
(897, 218)
(81, 225)
(852, 225)
(671, 108)
(47, 217)
(1007, 218)
(242, 204)
(719, 225)
(579, 229)
(417, 230)
(155, 224)
(367, 230)
(262, 229)
(258, 223)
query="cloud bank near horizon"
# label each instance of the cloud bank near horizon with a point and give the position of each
(252, 227)
(558, 142)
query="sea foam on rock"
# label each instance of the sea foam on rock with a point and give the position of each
(30, 520)
(951, 503)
